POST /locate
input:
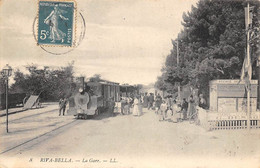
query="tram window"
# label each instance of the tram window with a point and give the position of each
(109, 94)
(102, 90)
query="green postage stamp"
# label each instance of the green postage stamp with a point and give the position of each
(56, 22)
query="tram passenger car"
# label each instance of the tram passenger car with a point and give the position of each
(94, 99)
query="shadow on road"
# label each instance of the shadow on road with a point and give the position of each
(107, 115)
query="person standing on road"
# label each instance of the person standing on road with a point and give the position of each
(123, 103)
(202, 102)
(129, 102)
(184, 108)
(137, 111)
(140, 106)
(158, 102)
(169, 102)
(162, 111)
(62, 105)
(127, 105)
(174, 111)
(112, 106)
(191, 106)
(145, 101)
(142, 97)
(150, 101)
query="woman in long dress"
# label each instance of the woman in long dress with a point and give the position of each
(191, 107)
(174, 112)
(137, 111)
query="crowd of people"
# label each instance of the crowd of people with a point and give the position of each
(175, 110)
(131, 104)
(134, 104)
(167, 108)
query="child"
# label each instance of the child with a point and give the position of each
(174, 110)
(169, 114)
(162, 111)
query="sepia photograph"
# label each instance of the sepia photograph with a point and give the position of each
(129, 83)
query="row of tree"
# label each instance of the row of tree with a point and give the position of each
(50, 84)
(211, 45)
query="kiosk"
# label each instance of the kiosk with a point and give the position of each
(228, 106)
(228, 96)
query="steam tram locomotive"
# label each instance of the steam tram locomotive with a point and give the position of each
(93, 99)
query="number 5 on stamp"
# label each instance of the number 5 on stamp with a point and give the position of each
(56, 22)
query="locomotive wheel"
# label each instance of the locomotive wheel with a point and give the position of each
(76, 116)
(80, 116)
(85, 116)
(97, 111)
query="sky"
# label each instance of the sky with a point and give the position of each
(125, 41)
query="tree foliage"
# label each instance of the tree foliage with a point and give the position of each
(95, 78)
(2, 84)
(49, 84)
(211, 46)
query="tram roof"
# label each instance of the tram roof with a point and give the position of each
(231, 81)
(101, 81)
(126, 85)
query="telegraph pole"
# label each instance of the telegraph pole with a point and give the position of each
(258, 82)
(179, 85)
(178, 50)
(248, 62)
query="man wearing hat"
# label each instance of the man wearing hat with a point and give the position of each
(62, 105)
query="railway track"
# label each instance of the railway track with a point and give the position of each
(33, 115)
(38, 139)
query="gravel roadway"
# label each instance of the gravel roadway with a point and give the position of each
(144, 141)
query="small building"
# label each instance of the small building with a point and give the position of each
(227, 96)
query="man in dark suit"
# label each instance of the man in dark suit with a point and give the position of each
(62, 105)
(184, 108)
(123, 103)
(150, 101)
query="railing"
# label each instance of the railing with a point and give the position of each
(232, 124)
(227, 121)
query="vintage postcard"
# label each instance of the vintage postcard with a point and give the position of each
(129, 84)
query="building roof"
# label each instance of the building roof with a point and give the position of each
(231, 81)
